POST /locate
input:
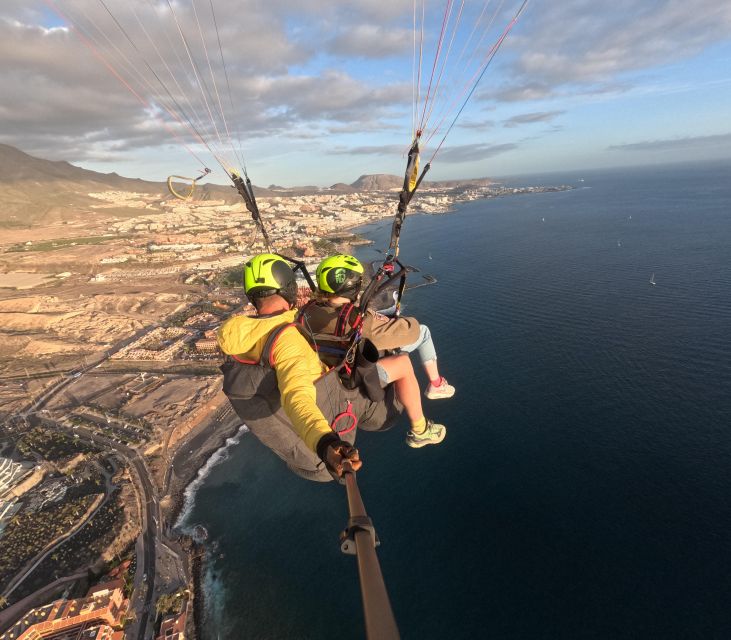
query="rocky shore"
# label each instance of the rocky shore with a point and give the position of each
(194, 456)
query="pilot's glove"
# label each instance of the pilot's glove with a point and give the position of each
(339, 456)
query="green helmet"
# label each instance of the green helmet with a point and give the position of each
(340, 274)
(267, 274)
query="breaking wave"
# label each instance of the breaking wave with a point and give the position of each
(218, 456)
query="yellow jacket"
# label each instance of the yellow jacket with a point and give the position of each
(295, 363)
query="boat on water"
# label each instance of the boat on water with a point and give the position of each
(652, 279)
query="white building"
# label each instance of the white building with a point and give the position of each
(11, 473)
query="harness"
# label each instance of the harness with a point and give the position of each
(251, 387)
(332, 343)
(350, 319)
(338, 341)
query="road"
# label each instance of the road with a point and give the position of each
(150, 530)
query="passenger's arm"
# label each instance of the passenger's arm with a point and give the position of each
(390, 333)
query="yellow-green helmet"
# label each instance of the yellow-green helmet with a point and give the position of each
(340, 274)
(267, 274)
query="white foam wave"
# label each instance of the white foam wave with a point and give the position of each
(218, 456)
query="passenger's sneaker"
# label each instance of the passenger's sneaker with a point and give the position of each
(433, 434)
(444, 390)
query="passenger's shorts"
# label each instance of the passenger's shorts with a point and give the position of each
(382, 375)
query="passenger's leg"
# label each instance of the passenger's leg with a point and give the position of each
(424, 347)
(401, 374)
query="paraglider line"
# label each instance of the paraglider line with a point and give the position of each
(445, 19)
(239, 154)
(490, 57)
(114, 72)
(156, 76)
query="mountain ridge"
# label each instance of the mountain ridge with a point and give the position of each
(33, 188)
(17, 165)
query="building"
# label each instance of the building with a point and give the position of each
(11, 473)
(162, 343)
(98, 616)
(16, 479)
(207, 345)
(173, 627)
(304, 295)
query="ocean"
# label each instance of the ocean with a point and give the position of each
(584, 486)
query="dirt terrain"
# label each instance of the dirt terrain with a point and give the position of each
(34, 329)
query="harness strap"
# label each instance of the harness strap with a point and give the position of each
(300, 319)
(342, 321)
(345, 415)
(267, 353)
(266, 358)
(350, 317)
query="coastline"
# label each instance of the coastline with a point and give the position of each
(187, 467)
(208, 444)
(448, 206)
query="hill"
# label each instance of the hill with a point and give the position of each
(378, 182)
(386, 182)
(34, 190)
(18, 166)
(341, 187)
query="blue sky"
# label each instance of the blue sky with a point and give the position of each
(322, 91)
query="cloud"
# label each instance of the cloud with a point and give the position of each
(478, 125)
(530, 118)
(356, 11)
(533, 90)
(371, 41)
(374, 150)
(582, 42)
(368, 125)
(303, 70)
(473, 152)
(721, 141)
(58, 96)
(331, 95)
(448, 155)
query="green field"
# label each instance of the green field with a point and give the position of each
(63, 243)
